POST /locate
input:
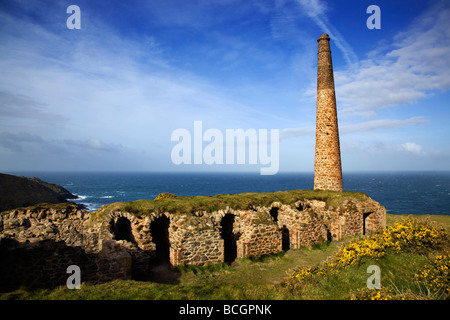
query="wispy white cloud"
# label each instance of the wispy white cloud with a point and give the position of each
(317, 11)
(288, 133)
(23, 142)
(26, 151)
(357, 127)
(417, 63)
(22, 107)
(412, 147)
(381, 124)
(389, 150)
(18, 142)
(404, 151)
(94, 144)
(100, 80)
(413, 66)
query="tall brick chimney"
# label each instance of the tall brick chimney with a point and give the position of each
(327, 165)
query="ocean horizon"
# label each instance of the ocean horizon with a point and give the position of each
(425, 192)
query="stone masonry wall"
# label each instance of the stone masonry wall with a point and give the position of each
(199, 248)
(68, 224)
(304, 225)
(259, 240)
(37, 246)
(327, 165)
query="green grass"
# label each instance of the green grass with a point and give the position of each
(221, 201)
(439, 219)
(264, 278)
(251, 278)
(397, 271)
(243, 282)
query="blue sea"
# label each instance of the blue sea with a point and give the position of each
(399, 192)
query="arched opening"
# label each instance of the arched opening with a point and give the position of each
(285, 239)
(329, 235)
(121, 228)
(366, 222)
(274, 213)
(159, 229)
(230, 248)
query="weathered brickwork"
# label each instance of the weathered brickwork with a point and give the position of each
(327, 165)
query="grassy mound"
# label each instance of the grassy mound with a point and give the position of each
(241, 201)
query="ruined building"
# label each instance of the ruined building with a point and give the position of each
(124, 240)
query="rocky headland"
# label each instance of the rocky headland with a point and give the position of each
(18, 192)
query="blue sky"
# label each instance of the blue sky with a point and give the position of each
(109, 96)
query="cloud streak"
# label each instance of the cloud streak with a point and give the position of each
(23, 107)
(316, 10)
(417, 64)
(412, 147)
(413, 67)
(366, 126)
(382, 124)
(23, 142)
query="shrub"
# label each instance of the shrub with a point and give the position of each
(436, 276)
(414, 236)
(165, 195)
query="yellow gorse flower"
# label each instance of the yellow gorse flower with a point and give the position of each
(370, 294)
(436, 276)
(165, 195)
(408, 235)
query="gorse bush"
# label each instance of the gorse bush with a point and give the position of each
(165, 195)
(379, 294)
(409, 235)
(413, 235)
(436, 276)
(356, 251)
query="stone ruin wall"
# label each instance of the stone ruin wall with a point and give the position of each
(69, 236)
(37, 246)
(259, 240)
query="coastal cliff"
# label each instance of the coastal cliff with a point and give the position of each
(18, 192)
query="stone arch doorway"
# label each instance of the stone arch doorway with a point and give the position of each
(121, 228)
(229, 238)
(159, 229)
